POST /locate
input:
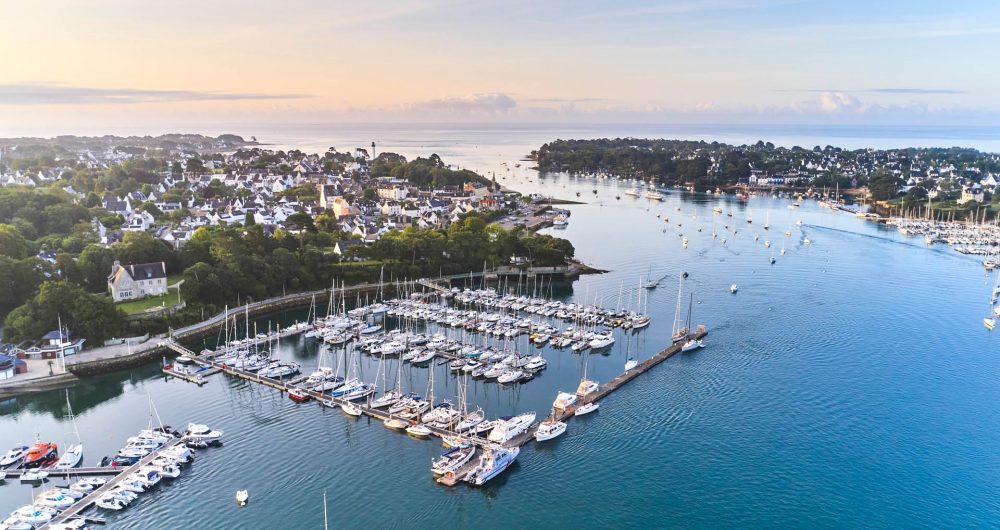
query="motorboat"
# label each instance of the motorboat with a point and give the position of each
(536, 362)
(351, 409)
(510, 376)
(111, 502)
(168, 470)
(201, 432)
(423, 357)
(693, 344)
(396, 424)
(549, 429)
(33, 515)
(70, 493)
(564, 400)
(419, 431)
(455, 441)
(42, 454)
(14, 455)
(602, 340)
(242, 497)
(299, 395)
(54, 499)
(733, 288)
(494, 460)
(34, 475)
(452, 460)
(586, 408)
(586, 387)
(508, 427)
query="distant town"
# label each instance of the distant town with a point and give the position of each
(110, 237)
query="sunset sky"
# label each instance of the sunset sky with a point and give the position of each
(70, 65)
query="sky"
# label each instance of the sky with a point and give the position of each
(68, 66)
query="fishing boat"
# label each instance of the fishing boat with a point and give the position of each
(549, 429)
(586, 408)
(560, 220)
(452, 460)
(42, 454)
(495, 460)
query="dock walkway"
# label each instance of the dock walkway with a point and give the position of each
(83, 504)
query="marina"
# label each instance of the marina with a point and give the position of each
(695, 392)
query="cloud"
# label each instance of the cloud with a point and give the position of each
(888, 90)
(54, 94)
(492, 103)
(838, 102)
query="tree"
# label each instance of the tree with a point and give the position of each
(91, 316)
(18, 281)
(13, 244)
(95, 264)
(301, 222)
(370, 194)
(195, 165)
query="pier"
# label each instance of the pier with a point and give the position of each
(451, 479)
(87, 501)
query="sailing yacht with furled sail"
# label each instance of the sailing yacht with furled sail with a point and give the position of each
(679, 332)
(74, 455)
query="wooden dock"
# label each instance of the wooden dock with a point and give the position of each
(86, 502)
(454, 478)
(13, 474)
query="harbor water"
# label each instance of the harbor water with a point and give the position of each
(849, 384)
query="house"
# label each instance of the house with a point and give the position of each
(138, 221)
(341, 247)
(55, 344)
(131, 282)
(971, 193)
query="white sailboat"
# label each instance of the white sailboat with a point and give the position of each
(74, 454)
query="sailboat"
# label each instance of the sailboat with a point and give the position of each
(990, 320)
(691, 344)
(74, 455)
(679, 333)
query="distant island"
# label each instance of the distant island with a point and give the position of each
(954, 178)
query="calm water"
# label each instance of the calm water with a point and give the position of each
(849, 384)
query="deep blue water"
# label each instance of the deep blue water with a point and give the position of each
(851, 384)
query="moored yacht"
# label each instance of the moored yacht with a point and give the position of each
(495, 460)
(564, 400)
(509, 427)
(549, 429)
(202, 433)
(452, 460)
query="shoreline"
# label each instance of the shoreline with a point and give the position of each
(108, 359)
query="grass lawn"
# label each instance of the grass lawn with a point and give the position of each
(138, 306)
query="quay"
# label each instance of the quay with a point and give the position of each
(86, 502)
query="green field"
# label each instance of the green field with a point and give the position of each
(138, 306)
